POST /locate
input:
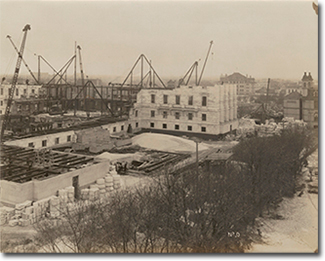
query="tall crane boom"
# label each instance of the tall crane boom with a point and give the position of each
(14, 81)
(205, 62)
(81, 68)
(83, 80)
(30, 71)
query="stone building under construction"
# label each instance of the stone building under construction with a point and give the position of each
(204, 111)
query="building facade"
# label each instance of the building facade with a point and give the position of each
(303, 105)
(245, 86)
(210, 110)
(22, 98)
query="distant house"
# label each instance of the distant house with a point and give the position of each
(292, 105)
(245, 86)
(171, 84)
(303, 105)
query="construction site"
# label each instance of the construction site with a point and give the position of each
(66, 138)
(163, 127)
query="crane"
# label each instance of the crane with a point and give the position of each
(189, 74)
(81, 69)
(83, 79)
(30, 71)
(205, 62)
(14, 81)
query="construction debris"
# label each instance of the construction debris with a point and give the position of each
(249, 127)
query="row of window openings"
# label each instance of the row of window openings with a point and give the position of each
(122, 128)
(178, 99)
(177, 115)
(44, 142)
(189, 128)
(17, 91)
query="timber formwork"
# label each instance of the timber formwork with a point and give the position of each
(24, 164)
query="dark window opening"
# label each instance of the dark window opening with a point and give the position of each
(152, 125)
(177, 115)
(189, 128)
(190, 100)
(176, 127)
(178, 99)
(165, 99)
(164, 126)
(203, 129)
(165, 114)
(204, 117)
(204, 101)
(190, 116)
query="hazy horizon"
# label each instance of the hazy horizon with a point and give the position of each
(261, 39)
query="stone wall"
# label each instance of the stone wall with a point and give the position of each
(51, 140)
(215, 118)
(13, 193)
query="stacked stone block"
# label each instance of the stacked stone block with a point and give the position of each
(6, 214)
(109, 184)
(28, 213)
(55, 207)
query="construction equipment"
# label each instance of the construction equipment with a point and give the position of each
(81, 68)
(82, 81)
(62, 71)
(142, 58)
(189, 74)
(266, 109)
(193, 68)
(30, 71)
(14, 82)
(205, 62)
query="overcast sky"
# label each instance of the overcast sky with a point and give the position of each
(263, 39)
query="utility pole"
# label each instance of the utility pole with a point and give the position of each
(75, 63)
(39, 69)
(141, 72)
(197, 160)
(267, 93)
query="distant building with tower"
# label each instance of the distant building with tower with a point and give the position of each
(302, 104)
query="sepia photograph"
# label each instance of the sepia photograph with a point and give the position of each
(159, 126)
